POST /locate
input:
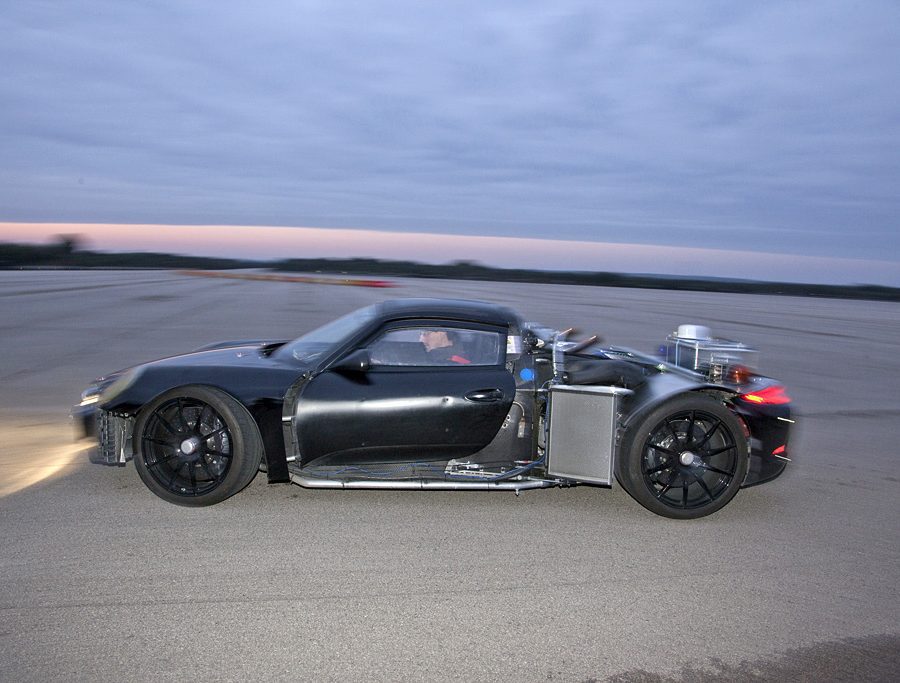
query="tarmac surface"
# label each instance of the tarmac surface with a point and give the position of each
(100, 580)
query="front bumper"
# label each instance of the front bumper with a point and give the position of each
(112, 432)
(85, 419)
(114, 436)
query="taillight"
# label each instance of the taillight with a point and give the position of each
(771, 395)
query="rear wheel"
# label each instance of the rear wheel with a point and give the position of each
(196, 446)
(686, 459)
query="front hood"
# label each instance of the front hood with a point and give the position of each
(222, 356)
(246, 372)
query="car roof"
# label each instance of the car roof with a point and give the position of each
(451, 309)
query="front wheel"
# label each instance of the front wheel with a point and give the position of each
(685, 459)
(196, 446)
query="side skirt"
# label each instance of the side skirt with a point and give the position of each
(423, 484)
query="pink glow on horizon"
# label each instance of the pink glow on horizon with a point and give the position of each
(269, 243)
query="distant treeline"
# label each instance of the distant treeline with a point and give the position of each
(473, 271)
(65, 254)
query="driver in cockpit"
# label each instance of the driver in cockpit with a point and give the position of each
(441, 347)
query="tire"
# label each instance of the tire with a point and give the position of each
(686, 458)
(196, 446)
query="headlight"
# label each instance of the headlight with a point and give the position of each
(90, 396)
(107, 388)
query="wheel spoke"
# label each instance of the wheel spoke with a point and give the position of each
(221, 430)
(175, 471)
(160, 442)
(703, 485)
(663, 449)
(209, 472)
(181, 414)
(673, 432)
(717, 451)
(710, 468)
(161, 461)
(660, 468)
(220, 454)
(709, 432)
(689, 432)
(199, 421)
(168, 427)
(662, 492)
(192, 476)
(684, 493)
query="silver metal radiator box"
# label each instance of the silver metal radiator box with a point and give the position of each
(582, 439)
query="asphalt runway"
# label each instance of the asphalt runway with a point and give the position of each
(100, 580)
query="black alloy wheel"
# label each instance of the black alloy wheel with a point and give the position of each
(686, 459)
(196, 446)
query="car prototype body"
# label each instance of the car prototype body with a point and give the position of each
(363, 402)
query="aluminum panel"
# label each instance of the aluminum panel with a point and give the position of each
(581, 444)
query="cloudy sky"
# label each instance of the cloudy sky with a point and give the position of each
(764, 126)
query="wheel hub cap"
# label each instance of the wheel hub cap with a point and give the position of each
(687, 458)
(189, 446)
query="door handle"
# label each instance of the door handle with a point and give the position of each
(485, 395)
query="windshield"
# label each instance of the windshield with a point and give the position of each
(314, 344)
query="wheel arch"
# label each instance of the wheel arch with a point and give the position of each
(630, 421)
(648, 402)
(266, 416)
(187, 385)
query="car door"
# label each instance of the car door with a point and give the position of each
(405, 404)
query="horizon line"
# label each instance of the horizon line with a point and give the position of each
(280, 242)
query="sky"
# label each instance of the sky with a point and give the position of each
(692, 135)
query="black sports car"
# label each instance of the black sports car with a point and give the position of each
(444, 394)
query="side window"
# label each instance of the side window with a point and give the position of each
(435, 346)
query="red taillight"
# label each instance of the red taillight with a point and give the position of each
(772, 395)
(779, 451)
